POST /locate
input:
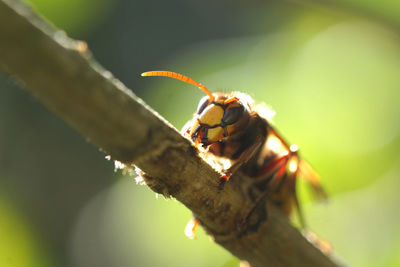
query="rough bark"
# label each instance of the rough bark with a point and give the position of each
(63, 76)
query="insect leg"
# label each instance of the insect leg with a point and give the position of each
(278, 179)
(293, 172)
(190, 229)
(270, 167)
(305, 170)
(297, 202)
(243, 158)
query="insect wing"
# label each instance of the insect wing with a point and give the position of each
(313, 179)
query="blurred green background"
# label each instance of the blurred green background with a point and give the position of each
(331, 71)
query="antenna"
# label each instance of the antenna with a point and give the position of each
(181, 78)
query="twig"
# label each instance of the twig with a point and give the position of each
(62, 74)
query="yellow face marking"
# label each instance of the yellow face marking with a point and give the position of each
(212, 115)
(215, 134)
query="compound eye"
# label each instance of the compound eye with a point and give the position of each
(202, 104)
(232, 115)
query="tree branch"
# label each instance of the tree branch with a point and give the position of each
(62, 74)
